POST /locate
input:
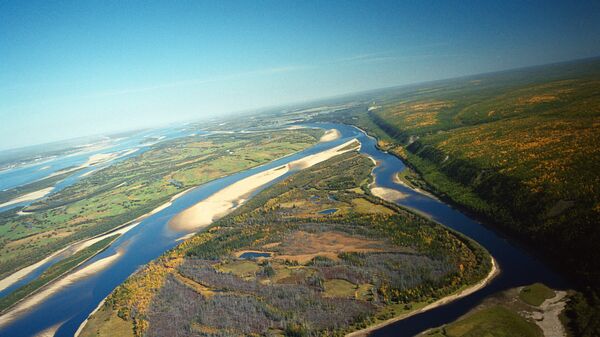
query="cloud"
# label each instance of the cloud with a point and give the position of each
(360, 57)
(385, 56)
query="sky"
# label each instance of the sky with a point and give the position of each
(75, 68)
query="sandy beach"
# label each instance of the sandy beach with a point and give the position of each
(490, 276)
(217, 205)
(331, 134)
(29, 196)
(388, 194)
(95, 159)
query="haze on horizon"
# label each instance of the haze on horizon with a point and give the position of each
(88, 67)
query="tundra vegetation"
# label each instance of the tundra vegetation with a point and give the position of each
(126, 190)
(517, 148)
(310, 274)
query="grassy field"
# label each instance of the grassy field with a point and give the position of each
(535, 294)
(107, 323)
(325, 275)
(126, 190)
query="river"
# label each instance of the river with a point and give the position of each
(70, 306)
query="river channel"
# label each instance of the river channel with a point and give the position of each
(70, 305)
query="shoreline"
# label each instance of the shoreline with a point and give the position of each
(83, 324)
(66, 272)
(442, 301)
(227, 199)
(49, 289)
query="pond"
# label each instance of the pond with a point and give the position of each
(254, 255)
(328, 211)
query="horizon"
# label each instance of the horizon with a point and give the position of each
(85, 69)
(286, 105)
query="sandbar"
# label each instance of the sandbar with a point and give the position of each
(77, 246)
(29, 196)
(330, 135)
(388, 194)
(225, 200)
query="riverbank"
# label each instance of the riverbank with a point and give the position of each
(222, 202)
(482, 219)
(54, 273)
(494, 271)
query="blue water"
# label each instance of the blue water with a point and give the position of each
(328, 211)
(71, 305)
(253, 255)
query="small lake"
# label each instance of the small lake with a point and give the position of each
(328, 211)
(254, 255)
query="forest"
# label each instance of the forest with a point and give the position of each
(277, 265)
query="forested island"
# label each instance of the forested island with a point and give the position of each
(315, 254)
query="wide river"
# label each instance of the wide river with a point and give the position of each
(70, 306)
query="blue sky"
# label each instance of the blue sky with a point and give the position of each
(73, 68)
